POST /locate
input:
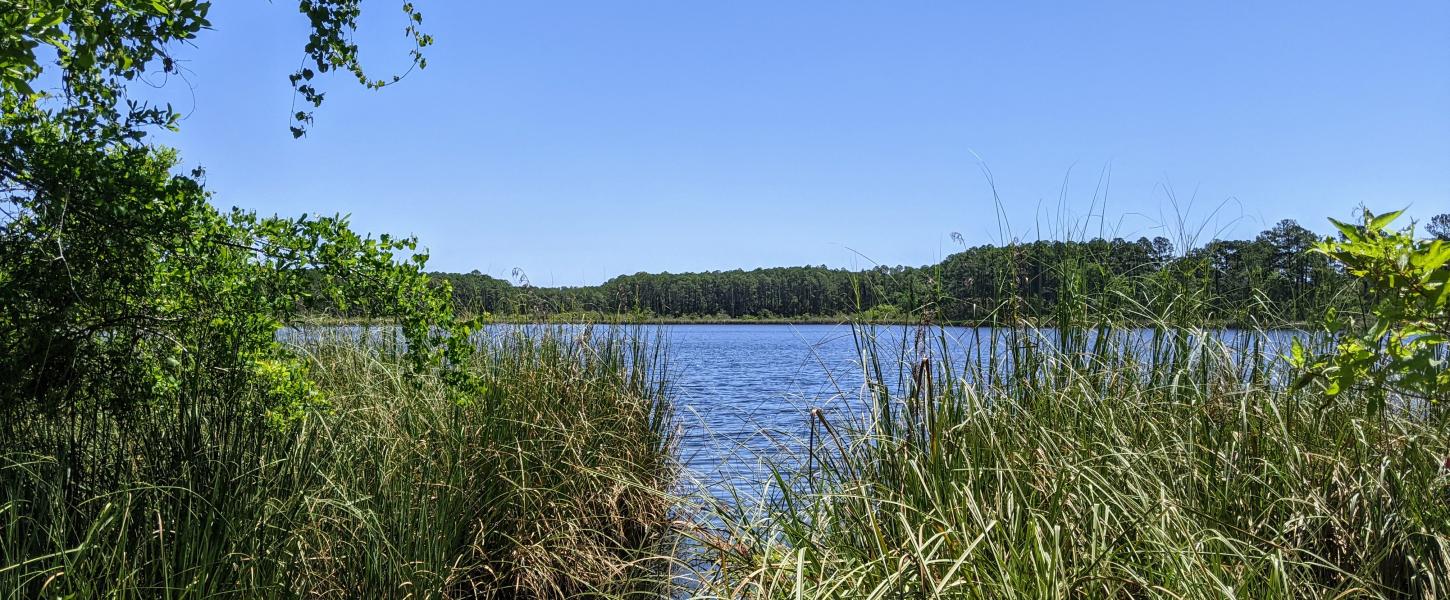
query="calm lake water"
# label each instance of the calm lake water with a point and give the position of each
(744, 395)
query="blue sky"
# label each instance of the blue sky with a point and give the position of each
(580, 140)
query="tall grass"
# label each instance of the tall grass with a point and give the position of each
(547, 485)
(1064, 456)
(1090, 461)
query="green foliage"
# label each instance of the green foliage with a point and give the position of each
(102, 45)
(99, 46)
(1396, 346)
(125, 288)
(161, 437)
(330, 47)
(140, 359)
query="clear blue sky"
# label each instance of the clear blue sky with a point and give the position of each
(580, 140)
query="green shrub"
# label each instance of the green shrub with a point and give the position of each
(1396, 346)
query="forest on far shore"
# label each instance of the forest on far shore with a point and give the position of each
(1273, 276)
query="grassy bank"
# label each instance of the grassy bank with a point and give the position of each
(545, 485)
(1100, 465)
(1071, 461)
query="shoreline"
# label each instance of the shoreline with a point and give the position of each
(625, 319)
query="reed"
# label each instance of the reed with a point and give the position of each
(1090, 460)
(546, 485)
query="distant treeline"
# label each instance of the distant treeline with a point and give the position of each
(1273, 276)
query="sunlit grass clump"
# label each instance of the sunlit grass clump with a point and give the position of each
(546, 485)
(1102, 464)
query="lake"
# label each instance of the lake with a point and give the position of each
(744, 395)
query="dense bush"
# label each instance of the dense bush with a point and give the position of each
(1394, 346)
(124, 288)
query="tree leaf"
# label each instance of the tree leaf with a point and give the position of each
(1379, 223)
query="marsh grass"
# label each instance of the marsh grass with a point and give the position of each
(1070, 453)
(1090, 460)
(1112, 471)
(546, 485)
